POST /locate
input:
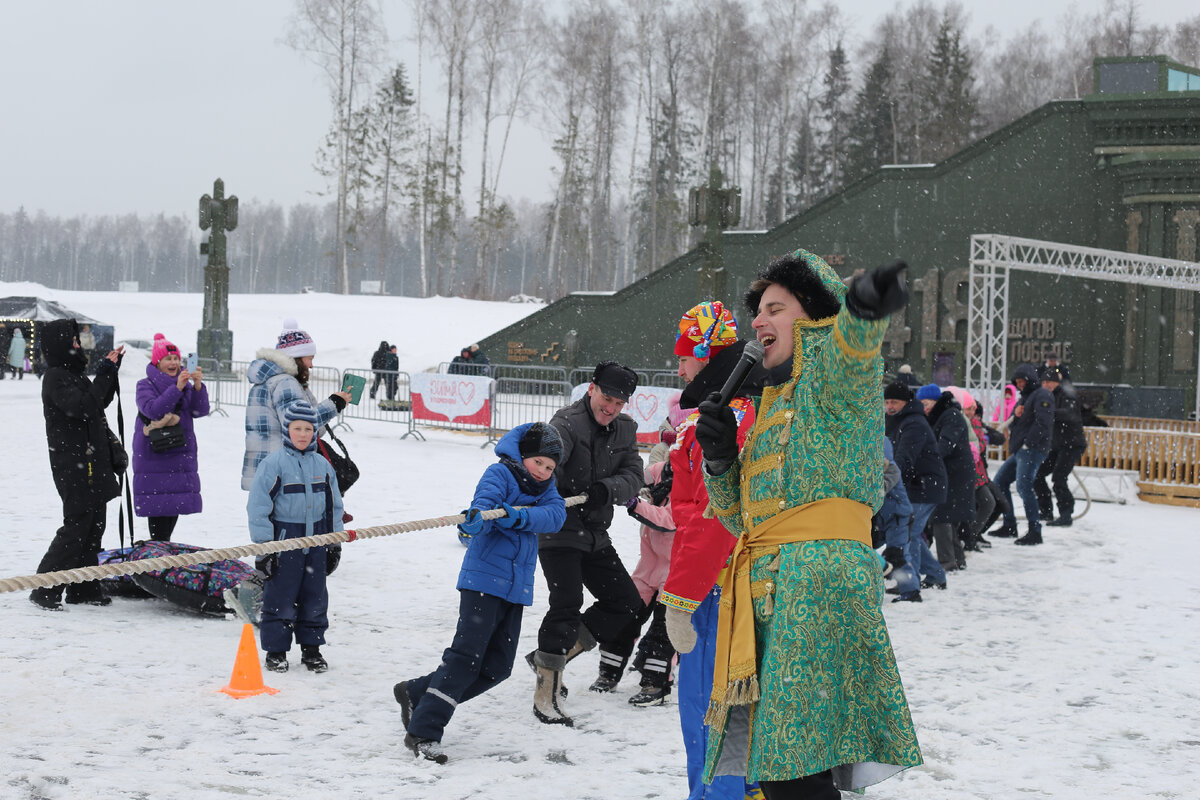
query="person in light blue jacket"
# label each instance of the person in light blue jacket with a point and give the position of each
(295, 494)
(495, 582)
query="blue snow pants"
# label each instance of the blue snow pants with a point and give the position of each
(295, 600)
(480, 656)
(694, 682)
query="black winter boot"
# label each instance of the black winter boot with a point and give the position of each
(427, 749)
(47, 598)
(277, 662)
(1033, 537)
(611, 667)
(1062, 522)
(310, 656)
(1005, 531)
(400, 692)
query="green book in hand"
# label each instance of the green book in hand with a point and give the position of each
(354, 384)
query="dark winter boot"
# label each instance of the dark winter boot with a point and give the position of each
(1062, 522)
(908, 597)
(650, 695)
(47, 598)
(1033, 537)
(310, 656)
(546, 699)
(611, 668)
(89, 593)
(277, 662)
(1005, 531)
(427, 749)
(400, 692)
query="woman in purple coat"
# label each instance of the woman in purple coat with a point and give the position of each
(167, 483)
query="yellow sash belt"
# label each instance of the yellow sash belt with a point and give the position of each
(735, 675)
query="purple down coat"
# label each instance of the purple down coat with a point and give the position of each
(166, 484)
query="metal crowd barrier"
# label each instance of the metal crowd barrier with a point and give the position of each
(386, 398)
(526, 394)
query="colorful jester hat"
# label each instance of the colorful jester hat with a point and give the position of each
(705, 329)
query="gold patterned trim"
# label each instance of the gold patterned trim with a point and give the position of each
(861, 355)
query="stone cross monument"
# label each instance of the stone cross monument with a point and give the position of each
(218, 213)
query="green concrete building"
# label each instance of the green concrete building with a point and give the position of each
(1119, 170)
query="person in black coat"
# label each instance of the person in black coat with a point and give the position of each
(81, 457)
(600, 459)
(1029, 440)
(951, 430)
(378, 364)
(923, 473)
(1068, 443)
(391, 378)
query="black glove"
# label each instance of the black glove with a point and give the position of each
(894, 556)
(267, 565)
(333, 557)
(716, 431)
(339, 402)
(878, 293)
(598, 496)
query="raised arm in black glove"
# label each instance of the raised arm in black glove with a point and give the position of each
(598, 496)
(878, 293)
(716, 431)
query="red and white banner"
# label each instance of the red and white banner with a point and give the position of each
(647, 405)
(461, 399)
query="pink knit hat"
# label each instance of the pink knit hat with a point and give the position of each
(161, 348)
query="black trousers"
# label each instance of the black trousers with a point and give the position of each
(810, 787)
(568, 572)
(76, 544)
(1057, 467)
(161, 528)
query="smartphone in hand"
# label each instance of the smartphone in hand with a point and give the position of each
(193, 361)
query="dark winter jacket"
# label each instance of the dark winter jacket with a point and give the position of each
(391, 361)
(379, 357)
(166, 484)
(921, 466)
(1035, 427)
(76, 428)
(954, 446)
(1068, 421)
(592, 452)
(501, 561)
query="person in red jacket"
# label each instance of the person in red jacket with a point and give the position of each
(707, 348)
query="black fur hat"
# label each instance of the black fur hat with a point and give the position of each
(798, 276)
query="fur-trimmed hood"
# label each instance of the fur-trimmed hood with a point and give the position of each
(269, 362)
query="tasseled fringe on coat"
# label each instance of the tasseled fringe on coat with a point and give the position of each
(742, 692)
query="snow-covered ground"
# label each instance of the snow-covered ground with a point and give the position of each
(1063, 671)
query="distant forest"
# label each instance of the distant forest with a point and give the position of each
(645, 98)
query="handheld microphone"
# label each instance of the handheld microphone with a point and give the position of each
(751, 355)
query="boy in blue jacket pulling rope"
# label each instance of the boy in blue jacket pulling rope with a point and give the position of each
(294, 494)
(495, 582)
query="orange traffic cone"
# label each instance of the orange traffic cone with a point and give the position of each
(246, 680)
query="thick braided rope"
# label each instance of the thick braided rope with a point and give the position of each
(81, 574)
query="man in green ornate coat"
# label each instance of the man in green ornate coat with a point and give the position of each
(807, 698)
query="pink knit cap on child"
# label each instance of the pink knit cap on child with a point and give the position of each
(295, 342)
(161, 348)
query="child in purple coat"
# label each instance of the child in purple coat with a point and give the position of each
(167, 483)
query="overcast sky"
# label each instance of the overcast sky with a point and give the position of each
(137, 105)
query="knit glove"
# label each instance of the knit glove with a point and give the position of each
(473, 523)
(894, 556)
(680, 630)
(517, 519)
(878, 293)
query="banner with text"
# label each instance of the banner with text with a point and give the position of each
(459, 399)
(647, 405)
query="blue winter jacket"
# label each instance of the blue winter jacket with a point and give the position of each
(896, 509)
(501, 561)
(273, 388)
(293, 494)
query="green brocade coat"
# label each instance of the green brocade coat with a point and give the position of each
(831, 696)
